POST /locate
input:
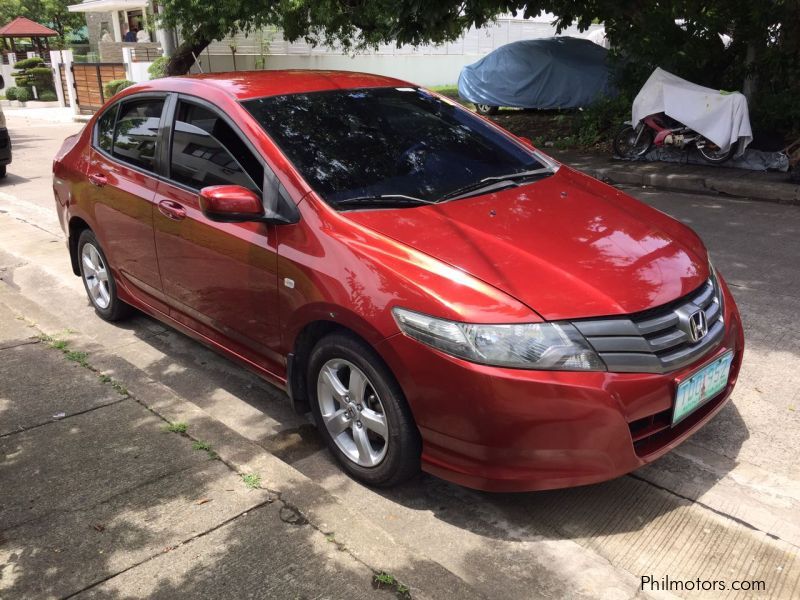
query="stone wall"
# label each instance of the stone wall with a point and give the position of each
(112, 51)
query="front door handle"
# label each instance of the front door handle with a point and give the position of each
(98, 179)
(172, 210)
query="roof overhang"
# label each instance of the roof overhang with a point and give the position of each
(106, 5)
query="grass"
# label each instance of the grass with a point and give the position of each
(205, 447)
(177, 427)
(77, 356)
(116, 385)
(387, 580)
(252, 480)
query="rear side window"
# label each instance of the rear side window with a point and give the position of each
(105, 129)
(207, 151)
(136, 132)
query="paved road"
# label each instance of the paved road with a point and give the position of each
(724, 505)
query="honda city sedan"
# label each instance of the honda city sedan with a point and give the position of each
(440, 294)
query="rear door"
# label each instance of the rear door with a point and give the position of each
(123, 171)
(220, 278)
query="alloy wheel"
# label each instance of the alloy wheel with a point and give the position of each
(352, 412)
(95, 274)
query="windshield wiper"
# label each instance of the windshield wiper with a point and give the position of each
(495, 182)
(380, 200)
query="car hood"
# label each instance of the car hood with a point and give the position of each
(567, 246)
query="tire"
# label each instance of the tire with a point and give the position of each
(625, 145)
(98, 280)
(706, 151)
(3, 171)
(349, 415)
(486, 109)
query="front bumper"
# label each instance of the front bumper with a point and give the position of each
(500, 429)
(5, 147)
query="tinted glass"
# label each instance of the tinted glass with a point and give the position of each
(105, 129)
(136, 132)
(203, 151)
(366, 142)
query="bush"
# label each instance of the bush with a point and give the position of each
(29, 63)
(24, 94)
(112, 87)
(159, 68)
(601, 120)
(11, 93)
(48, 96)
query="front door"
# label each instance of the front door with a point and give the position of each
(220, 278)
(122, 172)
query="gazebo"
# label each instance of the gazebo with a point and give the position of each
(25, 28)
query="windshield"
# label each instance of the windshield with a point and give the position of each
(387, 142)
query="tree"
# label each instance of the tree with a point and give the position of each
(680, 35)
(52, 13)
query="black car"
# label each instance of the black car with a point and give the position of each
(5, 142)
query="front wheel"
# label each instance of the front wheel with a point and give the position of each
(712, 153)
(633, 142)
(360, 411)
(486, 109)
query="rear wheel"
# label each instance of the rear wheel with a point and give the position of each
(712, 153)
(99, 280)
(2, 171)
(486, 109)
(633, 142)
(360, 411)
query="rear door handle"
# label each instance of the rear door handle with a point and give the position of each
(98, 179)
(172, 210)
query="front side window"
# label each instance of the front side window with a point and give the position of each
(136, 132)
(372, 142)
(206, 151)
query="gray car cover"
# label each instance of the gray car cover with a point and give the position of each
(558, 72)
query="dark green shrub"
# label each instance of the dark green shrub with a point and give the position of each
(29, 63)
(112, 87)
(11, 93)
(48, 96)
(159, 68)
(24, 94)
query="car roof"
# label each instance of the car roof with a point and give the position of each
(244, 85)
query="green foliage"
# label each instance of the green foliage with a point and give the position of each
(157, 70)
(52, 13)
(23, 94)
(11, 93)
(600, 121)
(252, 480)
(112, 87)
(48, 96)
(29, 63)
(176, 427)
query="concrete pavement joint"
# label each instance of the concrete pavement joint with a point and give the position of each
(18, 344)
(22, 429)
(718, 512)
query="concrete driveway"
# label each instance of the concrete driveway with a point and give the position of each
(725, 506)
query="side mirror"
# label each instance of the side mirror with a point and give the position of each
(2, 82)
(230, 204)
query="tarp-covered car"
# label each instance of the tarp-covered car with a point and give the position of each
(558, 72)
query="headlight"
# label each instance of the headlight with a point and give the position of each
(547, 346)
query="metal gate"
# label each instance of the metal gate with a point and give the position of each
(89, 79)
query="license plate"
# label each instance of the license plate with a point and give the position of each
(706, 383)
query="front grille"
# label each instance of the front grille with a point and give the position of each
(657, 340)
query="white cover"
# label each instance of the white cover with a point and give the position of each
(722, 118)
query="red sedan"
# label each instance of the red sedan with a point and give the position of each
(440, 294)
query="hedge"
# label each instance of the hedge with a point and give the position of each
(112, 87)
(11, 93)
(23, 94)
(28, 63)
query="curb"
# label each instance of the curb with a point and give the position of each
(766, 191)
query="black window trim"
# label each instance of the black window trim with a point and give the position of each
(169, 133)
(132, 97)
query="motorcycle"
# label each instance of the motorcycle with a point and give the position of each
(659, 130)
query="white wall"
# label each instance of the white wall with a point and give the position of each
(425, 70)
